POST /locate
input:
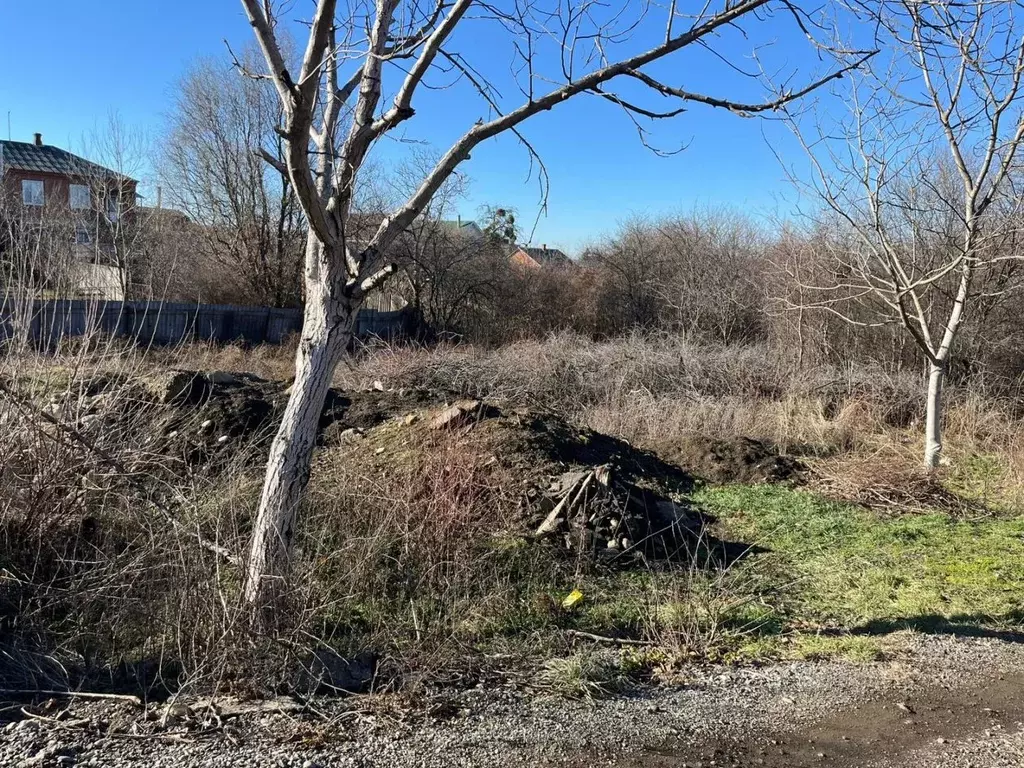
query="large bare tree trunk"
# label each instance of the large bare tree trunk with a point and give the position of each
(933, 418)
(326, 331)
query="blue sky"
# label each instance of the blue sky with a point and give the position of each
(68, 64)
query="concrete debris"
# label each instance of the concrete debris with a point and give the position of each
(460, 413)
(597, 515)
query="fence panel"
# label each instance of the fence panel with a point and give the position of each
(165, 323)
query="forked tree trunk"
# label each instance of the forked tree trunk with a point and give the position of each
(326, 331)
(933, 418)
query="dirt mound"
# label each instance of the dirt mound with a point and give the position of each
(736, 460)
(202, 415)
(586, 493)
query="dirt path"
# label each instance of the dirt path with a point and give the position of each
(980, 719)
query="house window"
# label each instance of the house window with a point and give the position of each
(113, 208)
(80, 197)
(82, 235)
(32, 192)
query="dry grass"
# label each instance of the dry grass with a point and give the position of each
(426, 563)
(96, 587)
(650, 390)
(585, 675)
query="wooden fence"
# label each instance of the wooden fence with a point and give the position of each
(46, 323)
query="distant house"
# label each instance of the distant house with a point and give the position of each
(73, 209)
(164, 218)
(539, 258)
(468, 229)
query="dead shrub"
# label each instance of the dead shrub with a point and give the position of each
(98, 588)
(416, 554)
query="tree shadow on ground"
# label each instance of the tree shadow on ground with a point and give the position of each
(1010, 629)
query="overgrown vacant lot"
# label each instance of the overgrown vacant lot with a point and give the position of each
(720, 504)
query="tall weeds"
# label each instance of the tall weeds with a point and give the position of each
(420, 558)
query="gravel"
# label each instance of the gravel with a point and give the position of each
(507, 727)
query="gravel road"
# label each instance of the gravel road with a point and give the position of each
(948, 703)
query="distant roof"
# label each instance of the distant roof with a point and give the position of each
(164, 213)
(35, 158)
(468, 228)
(545, 256)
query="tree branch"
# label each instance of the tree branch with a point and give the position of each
(740, 108)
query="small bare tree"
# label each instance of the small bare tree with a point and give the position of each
(364, 68)
(917, 179)
(715, 288)
(636, 271)
(113, 225)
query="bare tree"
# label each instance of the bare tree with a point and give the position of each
(361, 72)
(110, 231)
(918, 177)
(248, 221)
(36, 256)
(715, 283)
(448, 272)
(439, 257)
(635, 268)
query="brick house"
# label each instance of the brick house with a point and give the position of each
(538, 258)
(68, 211)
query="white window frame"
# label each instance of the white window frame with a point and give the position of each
(82, 200)
(30, 198)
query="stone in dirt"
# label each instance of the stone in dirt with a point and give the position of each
(460, 413)
(173, 386)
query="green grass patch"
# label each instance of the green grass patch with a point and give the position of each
(835, 564)
(983, 478)
(823, 580)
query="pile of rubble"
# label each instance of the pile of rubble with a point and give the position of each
(598, 515)
(591, 494)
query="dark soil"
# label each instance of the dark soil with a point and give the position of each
(217, 419)
(529, 462)
(202, 415)
(736, 460)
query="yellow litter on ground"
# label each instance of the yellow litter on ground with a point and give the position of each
(572, 599)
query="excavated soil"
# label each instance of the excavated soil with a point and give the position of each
(202, 416)
(586, 492)
(735, 460)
